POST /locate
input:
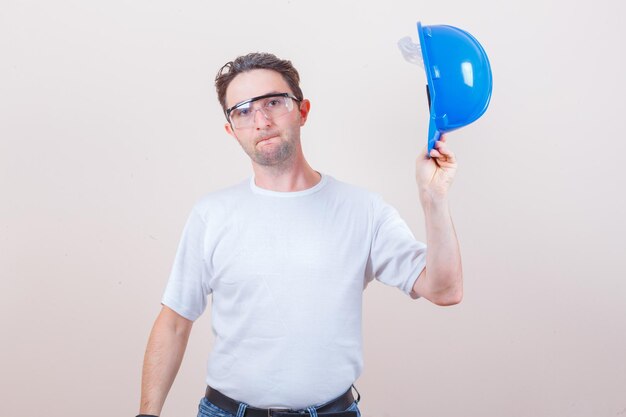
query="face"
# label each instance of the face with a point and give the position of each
(268, 142)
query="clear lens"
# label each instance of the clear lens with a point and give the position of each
(270, 107)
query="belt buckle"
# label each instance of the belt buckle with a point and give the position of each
(272, 410)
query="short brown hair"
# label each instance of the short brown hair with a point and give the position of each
(252, 61)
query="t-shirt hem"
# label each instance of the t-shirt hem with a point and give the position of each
(179, 309)
(411, 283)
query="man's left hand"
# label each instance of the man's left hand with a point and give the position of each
(434, 175)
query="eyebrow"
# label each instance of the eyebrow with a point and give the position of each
(262, 95)
(274, 94)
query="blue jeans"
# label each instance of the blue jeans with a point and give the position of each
(208, 409)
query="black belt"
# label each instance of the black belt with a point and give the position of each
(334, 408)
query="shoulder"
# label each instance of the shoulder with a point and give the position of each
(222, 200)
(353, 192)
(340, 186)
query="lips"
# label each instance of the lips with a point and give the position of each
(264, 138)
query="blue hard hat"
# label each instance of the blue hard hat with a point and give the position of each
(459, 78)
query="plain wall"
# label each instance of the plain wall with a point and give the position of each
(110, 131)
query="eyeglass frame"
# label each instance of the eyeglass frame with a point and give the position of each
(253, 99)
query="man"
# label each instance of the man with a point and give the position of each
(286, 256)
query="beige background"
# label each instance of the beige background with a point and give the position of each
(110, 130)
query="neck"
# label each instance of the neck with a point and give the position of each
(298, 176)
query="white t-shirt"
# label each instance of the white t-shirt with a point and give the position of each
(286, 271)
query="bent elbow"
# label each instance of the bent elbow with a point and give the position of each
(449, 298)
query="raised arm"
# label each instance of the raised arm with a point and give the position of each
(442, 280)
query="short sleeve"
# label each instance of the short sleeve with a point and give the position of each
(186, 291)
(396, 257)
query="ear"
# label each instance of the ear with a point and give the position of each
(230, 131)
(305, 108)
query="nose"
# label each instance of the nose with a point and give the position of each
(261, 121)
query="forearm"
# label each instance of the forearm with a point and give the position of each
(444, 273)
(164, 354)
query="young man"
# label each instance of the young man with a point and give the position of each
(286, 256)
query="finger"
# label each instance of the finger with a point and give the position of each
(441, 145)
(434, 153)
(445, 150)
